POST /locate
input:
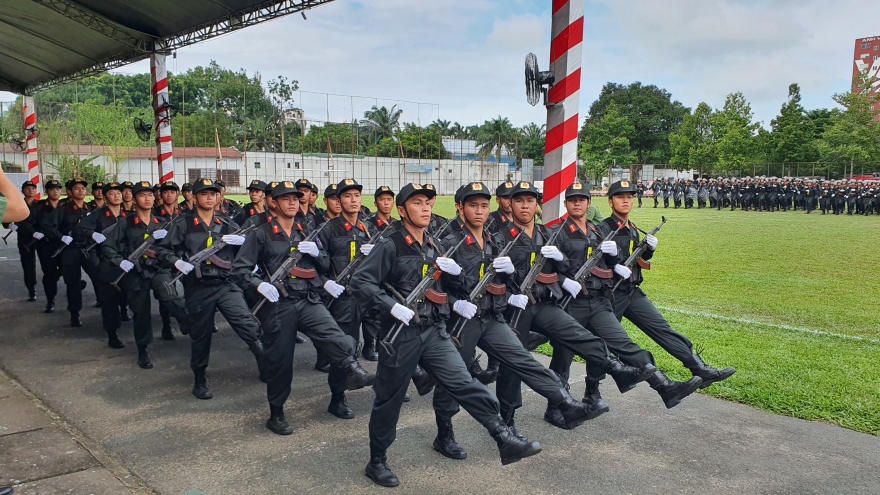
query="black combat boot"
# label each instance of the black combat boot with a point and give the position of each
(406, 397)
(512, 448)
(508, 417)
(370, 353)
(445, 442)
(32, 295)
(276, 423)
(75, 321)
(592, 397)
(536, 340)
(167, 333)
(339, 407)
(50, 306)
(357, 377)
(260, 355)
(423, 381)
(322, 364)
(378, 471)
(627, 377)
(486, 376)
(673, 392)
(575, 412)
(708, 374)
(113, 340)
(144, 358)
(201, 390)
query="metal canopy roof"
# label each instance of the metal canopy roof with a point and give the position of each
(49, 42)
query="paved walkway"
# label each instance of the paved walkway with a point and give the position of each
(85, 418)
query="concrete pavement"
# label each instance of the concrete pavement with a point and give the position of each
(127, 426)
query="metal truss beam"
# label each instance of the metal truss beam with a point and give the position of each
(141, 48)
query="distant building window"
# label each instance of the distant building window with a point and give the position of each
(864, 55)
(865, 46)
(256, 164)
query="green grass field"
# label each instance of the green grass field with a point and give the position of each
(789, 299)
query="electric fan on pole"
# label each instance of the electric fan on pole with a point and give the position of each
(142, 129)
(537, 81)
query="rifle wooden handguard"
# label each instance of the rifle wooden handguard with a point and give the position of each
(220, 262)
(306, 273)
(645, 265)
(547, 278)
(496, 289)
(436, 297)
(601, 272)
(150, 254)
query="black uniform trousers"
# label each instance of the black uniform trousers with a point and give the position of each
(138, 290)
(202, 300)
(73, 263)
(110, 299)
(51, 268)
(371, 328)
(28, 267)
(281, 321)
(548, 319)
(427, 345)
(494, 337)
(633, 304)
(596, 315)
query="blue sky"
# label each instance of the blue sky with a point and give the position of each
(464, 58)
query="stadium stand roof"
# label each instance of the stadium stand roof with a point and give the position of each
(44, 43)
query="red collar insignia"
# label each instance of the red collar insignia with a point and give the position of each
(469, 239)
(513, 232)
(275, 229)
(347, 227)
(409, 239)
(572, 227)
(195, 220)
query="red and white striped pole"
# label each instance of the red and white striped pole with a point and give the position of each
(560, 152)
(30, 129)
(159, 76)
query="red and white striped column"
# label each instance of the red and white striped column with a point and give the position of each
(159, 76)
(30, 129)
(560, 152)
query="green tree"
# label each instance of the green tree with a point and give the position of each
(792, 131)
(652, 113)
(693, 145)
(443, 127)
(382, 122)
(495, 136)
(734, 134)
(853, 134)
(532, 142)
(607, 142)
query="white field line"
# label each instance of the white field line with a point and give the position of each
(745, 321)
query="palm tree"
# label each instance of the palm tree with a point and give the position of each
(495, 135)
(533, 131)
(442, 127)
(382, 121)
(456, 130)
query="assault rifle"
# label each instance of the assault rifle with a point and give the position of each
(483, 286)
(534, 276)
(145, 249)
(589, 268)
(289, 267)
(636, 256)
(91, 246)
(207, 254)
(84, 250)
(344, 277)
(6, 236)
(421, 291)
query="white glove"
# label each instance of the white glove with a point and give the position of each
(366, 248)
(160, 234)
(518, 300)
(622, 271)
(66, 239)
(98, 237)
(502, 264)
(608, 247)
(309, 248)
(551, 252)
(38, 235)
(126, 265)
(268, 291)
(402, 313)
(572, 287)
(465, 308)
(449, 266)
(233, 239)
(13, 228)
(183, 267)
(651, 241)
(333, 288)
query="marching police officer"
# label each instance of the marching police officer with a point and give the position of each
(44, 246)
(299, 309)
(401, 261)
(481, 321)
(60, 226)
(631, 302)
(97, 195)
(25, 236)
(208, 287)
(257, 192)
